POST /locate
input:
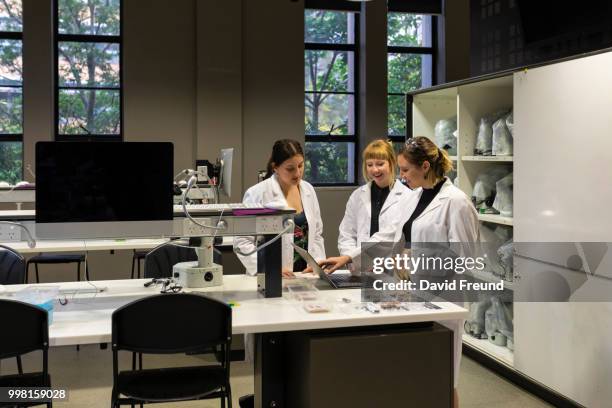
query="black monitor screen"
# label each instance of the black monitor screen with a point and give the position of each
(103, 181)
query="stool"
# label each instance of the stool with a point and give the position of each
(56, 259)
(136, 258)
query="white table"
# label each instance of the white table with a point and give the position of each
(91, 245)
(86, 319)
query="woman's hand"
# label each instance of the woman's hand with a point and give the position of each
(332, 264)
(286, 273)
(308, 270)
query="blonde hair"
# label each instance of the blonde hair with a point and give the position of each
(380, 149)
(420, 149)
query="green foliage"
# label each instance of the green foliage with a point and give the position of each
(11, 156)
(404, 30)
(396, 115)
(91, 65)
(327, 162)
(324, 26)
(11, 15)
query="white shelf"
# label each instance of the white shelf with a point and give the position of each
(453, 158)
(505, 159)
(495, 219)
(489, 277)
(501, 354)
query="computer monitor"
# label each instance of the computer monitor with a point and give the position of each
(225, 184)
(103, 189)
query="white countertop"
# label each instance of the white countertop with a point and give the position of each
(91, 245)
(86, 318)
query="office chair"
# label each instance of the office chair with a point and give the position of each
(57, 259)
(172, 324)
(161, 259)
(12, 267)
(12, 272)
(29, 331)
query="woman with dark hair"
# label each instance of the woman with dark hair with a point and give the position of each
(285, 188)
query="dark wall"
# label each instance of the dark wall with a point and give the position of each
(497, 41)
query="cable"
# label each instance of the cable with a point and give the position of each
(289, 227)
(192, 180)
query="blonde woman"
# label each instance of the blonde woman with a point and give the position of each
(375, 206)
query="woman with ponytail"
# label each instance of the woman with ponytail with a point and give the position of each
(285, 188)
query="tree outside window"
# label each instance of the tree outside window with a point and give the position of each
(329, 97)
(89, 82)
(11, 91)
(409, 64)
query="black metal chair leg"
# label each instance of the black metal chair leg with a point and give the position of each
(19, 365)
(78, 271)
(138, 260)
(27, 274)
(36, 269)
(133, 265)
(87, 270)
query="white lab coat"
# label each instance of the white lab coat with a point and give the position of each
(269, 191)
(355, 226)
(450, 217)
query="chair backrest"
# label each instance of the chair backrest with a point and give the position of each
(159, 262)
(12, 267)
(171, 323)
(25, 328)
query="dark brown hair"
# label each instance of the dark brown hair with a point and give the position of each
(420, 149)
(282, 150)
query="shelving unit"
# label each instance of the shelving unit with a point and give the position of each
(496, 219)
(488, 158)
(501, 354)
(469, 102)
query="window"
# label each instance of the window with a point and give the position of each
(410, 63)
(11, 91)
(330, 66)
(88, 71)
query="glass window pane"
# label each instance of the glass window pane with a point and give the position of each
(408, 72)
(11, 15)
(88, 64)
(330, 162)
(397, 115)
(11, 63)
(408, 30)
(11, 162)
(93, 17)
(11, 110)
(324, 110)
(329, 70)
(83, 112)
(329, 27)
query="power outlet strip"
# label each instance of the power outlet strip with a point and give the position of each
(9, 233)
(193, 230)
(269, 225)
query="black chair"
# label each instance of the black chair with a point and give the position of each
(12, 272)
(27, 330)
(57, 259)
(12, 267)
(136, 258)
(159, 262)
(172, 324)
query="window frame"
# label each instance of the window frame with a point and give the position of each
(85, 38)
(350, 138)
(431, 50)
(16, 137)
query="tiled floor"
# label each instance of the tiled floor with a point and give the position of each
(87, 374)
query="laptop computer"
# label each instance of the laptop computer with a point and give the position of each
(338, 281)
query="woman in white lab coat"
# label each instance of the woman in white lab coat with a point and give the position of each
(440, 212)
(375, 206)
(284, 188)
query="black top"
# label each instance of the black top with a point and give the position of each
(377, 198)
(300, 238)
(427, 196)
